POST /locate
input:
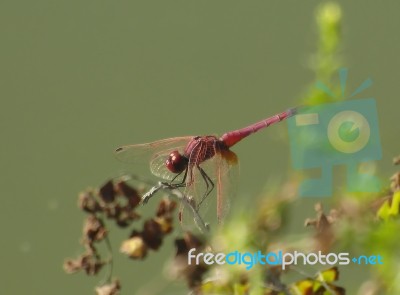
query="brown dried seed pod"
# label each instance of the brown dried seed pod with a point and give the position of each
(193, 273)
(188, 242)
(87, 262)
(88, 203)
(94, 229)
(72, 265)
(129, 193)
(110, 289)
(126, 216)
(165, 207)
(91, 265)
(152, 234)
(134, 247)
(107, 192)
(166, 224)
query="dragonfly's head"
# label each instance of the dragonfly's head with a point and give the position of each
(176, 163)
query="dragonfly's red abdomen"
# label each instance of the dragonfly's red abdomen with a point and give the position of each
(233, 137)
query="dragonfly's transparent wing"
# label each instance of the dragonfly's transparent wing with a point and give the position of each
(192, 192)
(158, 167)
(227, 173)
(220, 171)
(195, 185)
(155, 153)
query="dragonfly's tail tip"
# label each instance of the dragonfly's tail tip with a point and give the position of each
(293, 111)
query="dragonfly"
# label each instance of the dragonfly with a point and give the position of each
(185, 162)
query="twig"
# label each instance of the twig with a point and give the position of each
(172, 190)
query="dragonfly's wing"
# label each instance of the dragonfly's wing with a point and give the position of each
(196, 186)
(155, 153)
(222, 171)
(158, 167)
(134, 152)
(227, 173)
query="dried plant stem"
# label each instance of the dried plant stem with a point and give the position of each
(107, 279)
(185, 200)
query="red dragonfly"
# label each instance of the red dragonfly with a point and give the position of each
(185, 161)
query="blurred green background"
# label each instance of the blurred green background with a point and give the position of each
(79, 78)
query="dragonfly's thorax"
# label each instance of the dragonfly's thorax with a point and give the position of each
(202, 148)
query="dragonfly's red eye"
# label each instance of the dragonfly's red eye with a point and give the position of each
(176, 163)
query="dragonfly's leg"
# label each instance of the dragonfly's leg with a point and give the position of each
(182, 183)
(176, 176)
(209, 185)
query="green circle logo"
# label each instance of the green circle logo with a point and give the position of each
(348, 132)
